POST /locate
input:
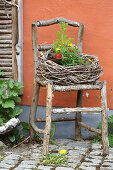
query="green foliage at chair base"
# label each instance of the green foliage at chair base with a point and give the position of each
(9, 96)
(110, 132)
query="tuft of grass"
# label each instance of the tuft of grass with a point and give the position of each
(1, 157)
(50, 159)
(110, 132)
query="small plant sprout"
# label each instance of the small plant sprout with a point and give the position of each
(57, 159)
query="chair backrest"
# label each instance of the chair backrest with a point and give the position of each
(37, 47)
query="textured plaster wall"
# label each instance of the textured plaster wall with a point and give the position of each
(98, 40)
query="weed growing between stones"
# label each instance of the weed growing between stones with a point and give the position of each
(1, 157)
(54, 159)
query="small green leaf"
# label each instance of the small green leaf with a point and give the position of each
(2, 73)
(1, 157)
(25, 127)
(1, 122)
(11, 138)
(53, 129)
(16, 112)
(58, 34)
(21, 136)
(11, 83)
(17, 99)
(9, 104)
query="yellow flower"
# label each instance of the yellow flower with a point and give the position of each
(63, 151)
(70, 45)
(57, 49)
(89, 59)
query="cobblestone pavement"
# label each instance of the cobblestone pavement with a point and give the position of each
(81, 156)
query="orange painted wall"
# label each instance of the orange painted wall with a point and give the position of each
(98, 40)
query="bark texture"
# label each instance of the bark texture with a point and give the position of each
(9, 126)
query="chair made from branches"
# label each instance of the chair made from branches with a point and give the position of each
(38, 82)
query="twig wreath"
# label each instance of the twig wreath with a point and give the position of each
(64, 65)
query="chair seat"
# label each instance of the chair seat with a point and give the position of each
(96, 86)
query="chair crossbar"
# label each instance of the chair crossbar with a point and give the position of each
(77, 109)
(90, 128)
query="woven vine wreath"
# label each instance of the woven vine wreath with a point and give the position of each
(49, 71)
(64, 65)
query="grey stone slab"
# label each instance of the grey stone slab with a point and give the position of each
(26, 153)
(96, 153)
(96, 146)
(63, 168)
(78, 144)
(52, 147)
(8, 152)
(76, 160)
(106, 168)
(35, 156)
(110, 156)
(5, 166)
(21, 168)
(13, 156)
(63, 141)
(89, 164)
(2, 145)
(28, 162)
(44, 167)
(111, 150)
(35, 146)
(74, 153)
(110, 164)
(95, 157)
(87, 168)
(81, 149)
(27, 166)
(108, 160)
(98, 161)
(9, 161)
(73, 165)
(36, 150)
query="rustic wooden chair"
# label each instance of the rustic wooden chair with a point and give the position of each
(77, 87)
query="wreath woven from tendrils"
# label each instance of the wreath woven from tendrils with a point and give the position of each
(49, 71)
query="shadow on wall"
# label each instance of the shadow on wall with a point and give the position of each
(65, 129)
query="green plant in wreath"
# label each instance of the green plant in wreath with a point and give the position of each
(65, 53)
(110, 132)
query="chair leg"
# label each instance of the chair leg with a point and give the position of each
(105, 141)
(33, 109)
(48, 119)
(78, 116)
